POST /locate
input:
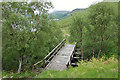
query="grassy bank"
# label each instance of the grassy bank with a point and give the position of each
(87, 69)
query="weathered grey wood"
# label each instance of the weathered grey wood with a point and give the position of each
(38, 62)
(62, 58)
(76, 53)
(50, 55)
(59, 58)
(74, 64)
(76, 57)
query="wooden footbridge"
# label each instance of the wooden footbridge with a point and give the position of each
(59, 58)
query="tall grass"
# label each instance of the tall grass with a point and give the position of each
(87, 69)
(94, 68)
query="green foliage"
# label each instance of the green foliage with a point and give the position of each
(27, 37)
(95, 30)
(87, 69)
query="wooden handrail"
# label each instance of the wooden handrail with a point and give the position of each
(55, 48)
(38, 62)
(52, 53)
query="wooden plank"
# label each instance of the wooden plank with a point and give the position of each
(52, 52)
(63, 56)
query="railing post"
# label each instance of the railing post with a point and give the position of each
(44, 64)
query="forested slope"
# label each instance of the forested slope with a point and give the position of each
(27, 36)
(95, 30)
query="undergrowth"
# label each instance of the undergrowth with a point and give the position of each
(87, 69)
(94, 68)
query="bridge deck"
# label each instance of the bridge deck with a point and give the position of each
(62, 57)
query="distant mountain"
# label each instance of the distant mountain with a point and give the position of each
(78, 9)
(54, 11)
(59, 14)
(62, 14)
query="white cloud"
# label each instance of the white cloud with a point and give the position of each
(72, 4)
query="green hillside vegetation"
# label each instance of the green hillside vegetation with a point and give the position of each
(95, 29)
(28, 38)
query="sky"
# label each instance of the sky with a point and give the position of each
(69, 5)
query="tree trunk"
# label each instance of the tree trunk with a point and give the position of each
(99, 53)
(93, 52)
(101, 43)
(100, 47)
(38, 19)
(20, 64)
(82, 57)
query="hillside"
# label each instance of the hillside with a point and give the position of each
(62, 14)
(78, 9)
(82, 43)
(59, 14)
